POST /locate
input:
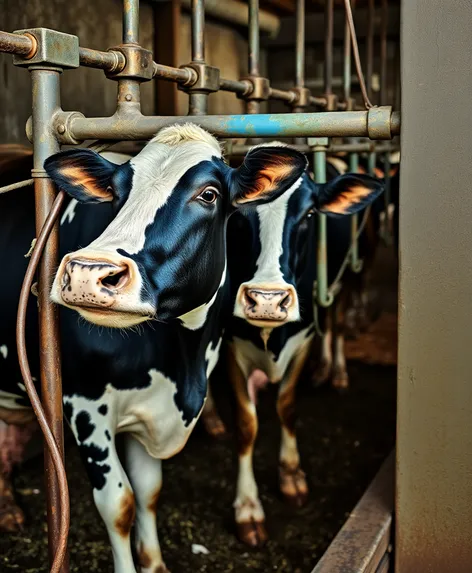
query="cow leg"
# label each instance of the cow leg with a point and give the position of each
(323, 369)
(340, 379)
(291, 477)
(13, 440)
(249, 514)
(113, 495)
(145, 474)
(211, 419)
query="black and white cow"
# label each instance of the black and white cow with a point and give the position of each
(349, 314)
(143, 288)
(272, 267)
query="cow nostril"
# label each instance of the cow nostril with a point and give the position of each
(116, 279)
(285, 302)
(251, 302)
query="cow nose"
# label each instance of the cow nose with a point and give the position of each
(265, 304)
(93, 283)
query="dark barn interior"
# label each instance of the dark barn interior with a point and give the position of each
(373, 438)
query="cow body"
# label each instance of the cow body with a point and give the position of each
(272, 266)
(146, 272)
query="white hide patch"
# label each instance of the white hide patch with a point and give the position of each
(149, 414)
(4, 351)
(271, 227)
(9, 401)
(249, 357)
(69, 212)
(157, 170)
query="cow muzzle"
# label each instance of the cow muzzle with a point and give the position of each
(105, 290)
(267, 306)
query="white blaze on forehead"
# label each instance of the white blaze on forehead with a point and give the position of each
(156, 171)
(272, 218)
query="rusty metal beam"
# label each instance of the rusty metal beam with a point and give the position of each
(434, 435)
(363, 541)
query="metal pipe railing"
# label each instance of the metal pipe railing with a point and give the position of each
(135, 126)
(331, 149)
(253, 106)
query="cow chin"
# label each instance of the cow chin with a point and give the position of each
(267, 323)
(110, 318)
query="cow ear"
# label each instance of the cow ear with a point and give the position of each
(82, 174)
(267, 172)
(348, 194)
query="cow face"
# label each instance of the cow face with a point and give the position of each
(273, 262)
(163, 256)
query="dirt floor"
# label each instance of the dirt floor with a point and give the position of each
(343, 441)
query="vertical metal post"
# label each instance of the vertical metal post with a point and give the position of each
(45, 102)
(383, 97)
(131, 21)
(434, 431)
(198, 102)
(324, 297)
(370, 48)
(300, 57)
(328, 51)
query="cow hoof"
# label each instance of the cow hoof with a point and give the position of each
(214, 425)
(321, 374)
(340, 382)
(252, 533)
(11, 519)
(293, 485)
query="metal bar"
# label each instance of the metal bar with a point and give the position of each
(136, 126)
(253, 106)
(107, 61)
(328, 48)
(347, 62)
(130, 21)
(300, 45)
(369, 68)
(198, 101)
(383, 53)
(179, 75)
(239, 87)
(45, 102)
(434, 438)
(363, 541)
(355, 263)
(324, 297)
(282, 95)
(18, 44)
(337, 148)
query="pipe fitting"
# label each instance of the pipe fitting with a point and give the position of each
(302, 97)
(61, 125)
(259, 89)
(204, 78)
(138, 65)
(379, 122)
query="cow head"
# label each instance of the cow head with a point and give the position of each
(163, 256)
(272, 263)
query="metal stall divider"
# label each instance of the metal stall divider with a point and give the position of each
(46, 53)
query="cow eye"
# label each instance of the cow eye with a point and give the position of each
(209, 195)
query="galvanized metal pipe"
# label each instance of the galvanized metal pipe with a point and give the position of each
(112, 61)
(323, 295)
(355, 262)
(130, 21)
(45, 103)
(300, 56)
(328, 51)
(370, 47)
(337, 148)
(253, 106)
(198, 101)
(347, 62)
(383, 53)
(136, 126)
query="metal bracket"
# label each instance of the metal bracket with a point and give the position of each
(331, 102)
(207, 78)
(315, 143)
(302, 97)
(53, 49)
(379, 122)
(138, 66)
(259, 89)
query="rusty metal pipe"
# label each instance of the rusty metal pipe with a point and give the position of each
(112, 61)
(300, 45)
(370, 47)
(383, 53)
(337, 148)
(136, 126)
(18, 44)
(198, 101)
(253, 106)
(130, 21)
(328, 47)
(45, 103)
(347, 62)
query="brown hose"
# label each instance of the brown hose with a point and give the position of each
(355, 52)
(29, 384)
